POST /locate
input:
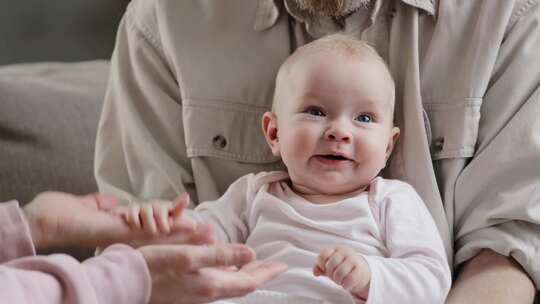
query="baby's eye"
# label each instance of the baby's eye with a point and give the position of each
(315, 111)
(365, 118)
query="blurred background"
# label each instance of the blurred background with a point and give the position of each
(53, 74)
(58, 30)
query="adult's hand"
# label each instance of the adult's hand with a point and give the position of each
(61, 219)
(193, 274)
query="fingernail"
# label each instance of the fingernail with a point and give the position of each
(246, 254)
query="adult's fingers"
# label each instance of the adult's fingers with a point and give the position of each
(190, 258)
(263, 271)
(105, 201)
(99, 201)
(221, 255)
(226, 284)
(185, 224)
(201, 234)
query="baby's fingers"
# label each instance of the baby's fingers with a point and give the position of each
(180, 204)
(317, 271)
(342, 271)
(322, 259)
(132, 216)
(147, 218)
(161, 216)
(178, 221)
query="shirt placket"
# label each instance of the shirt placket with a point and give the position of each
(377, 31)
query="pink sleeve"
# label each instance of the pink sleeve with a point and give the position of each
(119, 275)
(15, 232)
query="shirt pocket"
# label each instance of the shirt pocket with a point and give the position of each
(453, 127)
(225, 129)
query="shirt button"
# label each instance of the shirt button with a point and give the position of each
(219, 142)
(438, 144)
(393, 12)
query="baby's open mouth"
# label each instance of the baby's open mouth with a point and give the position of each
(333, 157)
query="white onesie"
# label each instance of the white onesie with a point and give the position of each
(388, 224)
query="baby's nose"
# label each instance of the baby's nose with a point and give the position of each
(338, 133)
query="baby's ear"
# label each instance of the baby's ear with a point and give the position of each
(394, 135)
(270, 130)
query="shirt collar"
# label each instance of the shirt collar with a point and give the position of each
(268, 12)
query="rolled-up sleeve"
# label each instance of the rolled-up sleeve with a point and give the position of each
(498, 194)
(140, 146)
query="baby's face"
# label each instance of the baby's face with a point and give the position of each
(334, 123)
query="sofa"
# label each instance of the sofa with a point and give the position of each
(53, 75)
(48, 119)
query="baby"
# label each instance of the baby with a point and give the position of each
(348, 235)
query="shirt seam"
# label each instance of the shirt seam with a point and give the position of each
(143, 32)
(194, 152)
(519, 13)
(234, 107)
(464, 152)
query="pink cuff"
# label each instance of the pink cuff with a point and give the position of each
(15, 238)
(131, 282)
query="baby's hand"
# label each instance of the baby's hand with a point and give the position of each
(345, 267)
(158, 217)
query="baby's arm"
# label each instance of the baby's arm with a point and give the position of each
(223, 218)
(415, 267)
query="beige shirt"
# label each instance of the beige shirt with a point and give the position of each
(191, 79)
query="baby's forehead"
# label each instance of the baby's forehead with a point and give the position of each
(315, 69)
(334, 46)
(338, 47)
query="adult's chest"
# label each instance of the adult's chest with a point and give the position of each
(225, 71)
(457, 55)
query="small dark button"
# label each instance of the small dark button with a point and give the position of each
(393, 12)
(219, 142)
(438, 144)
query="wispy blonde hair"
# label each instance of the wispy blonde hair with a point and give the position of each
(338, 44)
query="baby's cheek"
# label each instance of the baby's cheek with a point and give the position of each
(304, 141)
(370, 150)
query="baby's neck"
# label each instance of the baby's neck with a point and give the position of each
(325, 198)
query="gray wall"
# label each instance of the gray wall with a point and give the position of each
(58, 30)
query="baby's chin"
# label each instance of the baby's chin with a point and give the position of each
(328, 188)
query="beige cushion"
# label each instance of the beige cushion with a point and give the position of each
(48, 120)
